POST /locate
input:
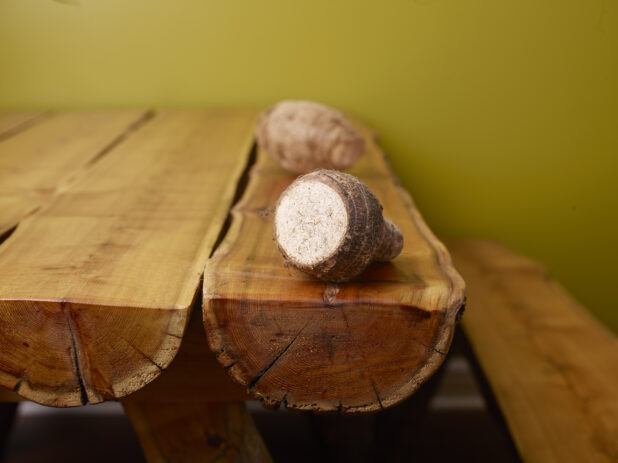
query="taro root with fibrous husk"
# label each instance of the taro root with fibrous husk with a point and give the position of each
(330, 225)
(303, 136)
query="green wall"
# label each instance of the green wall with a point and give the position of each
(501, 117)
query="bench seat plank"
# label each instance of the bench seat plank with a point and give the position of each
(552, 367)
(96, 287)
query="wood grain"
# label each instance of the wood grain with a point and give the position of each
(12, 122)
(194, 412)
(204, 432)
(552, 367)
(96, 287)
(43, 159)
(354, 347)
(194, 375)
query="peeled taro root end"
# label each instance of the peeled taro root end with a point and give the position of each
(303, 136)
(329, 224)
(311, 221)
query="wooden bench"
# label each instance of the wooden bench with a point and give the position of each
(551, 366)
(108, 220)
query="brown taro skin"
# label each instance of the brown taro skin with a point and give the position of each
(303, 136)
(369, 237)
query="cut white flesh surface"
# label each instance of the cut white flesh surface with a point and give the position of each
(311, 222)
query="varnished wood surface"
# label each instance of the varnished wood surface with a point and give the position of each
(354, 347)
(552, 367)
(11, 122)
(97, 284)
(41, 155)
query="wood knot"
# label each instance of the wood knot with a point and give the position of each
(329, 294)
(214, 441)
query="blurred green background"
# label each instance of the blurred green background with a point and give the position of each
(501, 117)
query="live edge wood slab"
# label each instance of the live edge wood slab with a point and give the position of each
(107, 220)
(356, 347)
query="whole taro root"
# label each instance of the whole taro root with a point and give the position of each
(304, 136)
(330, 225)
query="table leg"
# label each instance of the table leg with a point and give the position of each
(194, 412)
(199, 432)
(387, 436)
(8, 411)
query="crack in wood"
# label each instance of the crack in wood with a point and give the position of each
(17, 385)
(143, 354)
(78, 374)
(7, 233)
(362, 374)
(241, 186)
(132, 128)
(275, 359)
(25, 125)
(431, 348)
(375, 389)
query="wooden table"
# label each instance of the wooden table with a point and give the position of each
(109, 222)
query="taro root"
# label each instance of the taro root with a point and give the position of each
(303, 136)
(330, 225)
